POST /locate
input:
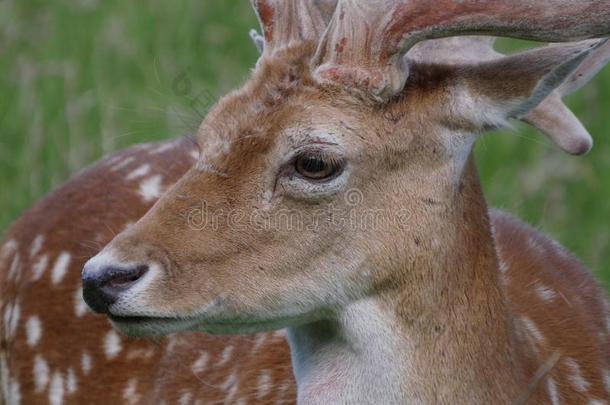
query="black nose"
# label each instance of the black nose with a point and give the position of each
(102, 288)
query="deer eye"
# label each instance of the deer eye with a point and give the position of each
(318, 167)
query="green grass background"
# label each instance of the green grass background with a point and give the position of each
(82, 78)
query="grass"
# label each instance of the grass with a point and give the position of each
(82, 78)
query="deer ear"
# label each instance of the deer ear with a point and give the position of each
(513, 86)
(553, 118)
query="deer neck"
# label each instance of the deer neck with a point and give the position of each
(443, 336)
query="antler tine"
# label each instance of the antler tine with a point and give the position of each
(285, 22)
(368, 38)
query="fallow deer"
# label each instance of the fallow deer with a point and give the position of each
(471, 321)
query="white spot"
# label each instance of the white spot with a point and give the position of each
(576, 377)
(201, 363)
(126, 162)
(185, 398)
(230, 386)
(140, 353)
(15, 269)
(607, 380)
(56, 389)
(264, 384)
(33, 330)
(60, 268)
(139, 172)
(12, 313)
(14, 392)
(41, 374)
(11, 391)
(261, 338)
(163, 148)
(112, 345)
(532, 329)
(7, 249)
(227, 353)
(130, 394)
(36, 245)
(150, 189)
(71, 383)
(80, 307)
(545, 293)
(86, 363)
(597, 402)
(503, 267)
(194, 154)
(39, 267)
(172, 342)
(551, 386)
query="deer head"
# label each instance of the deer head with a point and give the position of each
(273, 228)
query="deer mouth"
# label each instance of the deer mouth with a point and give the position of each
(137, 319)
(134, 319)
(151, 326)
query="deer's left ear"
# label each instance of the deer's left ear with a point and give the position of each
(490, 93)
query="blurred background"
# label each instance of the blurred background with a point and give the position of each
(82, 78)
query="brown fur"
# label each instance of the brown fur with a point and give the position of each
(467, 301)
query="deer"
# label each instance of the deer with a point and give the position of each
(395, 314)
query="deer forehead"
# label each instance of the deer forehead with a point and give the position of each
(281, 109)
(241, 126)
(237, 136)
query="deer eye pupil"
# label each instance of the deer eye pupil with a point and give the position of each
(316, 168)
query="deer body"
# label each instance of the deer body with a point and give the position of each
(442, 303)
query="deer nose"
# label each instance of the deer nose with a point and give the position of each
(102, 287)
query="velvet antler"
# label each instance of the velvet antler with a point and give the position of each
(285, 22)
(367, 39)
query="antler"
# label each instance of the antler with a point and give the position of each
(367, 39)
(289, 21)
